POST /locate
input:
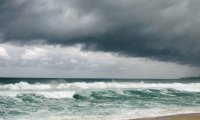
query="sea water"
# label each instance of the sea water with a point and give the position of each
(96, 99)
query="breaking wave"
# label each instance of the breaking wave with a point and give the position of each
(24, 86)
(96, 100)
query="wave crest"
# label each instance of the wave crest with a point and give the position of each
(24, 86)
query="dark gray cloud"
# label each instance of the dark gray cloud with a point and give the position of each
(158, 29)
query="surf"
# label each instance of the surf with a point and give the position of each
(109, 100)
(23, 86)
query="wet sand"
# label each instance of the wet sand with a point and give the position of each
(193, 116)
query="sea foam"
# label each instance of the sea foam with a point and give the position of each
(46, 94)
(24, 86)
(96, 100)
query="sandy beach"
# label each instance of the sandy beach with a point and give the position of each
(193, 116)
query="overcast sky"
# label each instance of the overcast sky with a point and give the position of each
(100, 38)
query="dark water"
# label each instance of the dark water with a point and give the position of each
(69, 99)
(70, 80)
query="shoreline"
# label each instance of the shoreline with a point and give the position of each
(189, 116)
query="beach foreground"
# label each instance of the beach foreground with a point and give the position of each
(193, 116)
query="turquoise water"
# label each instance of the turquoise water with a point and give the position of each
(107, 99)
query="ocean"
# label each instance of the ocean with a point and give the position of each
(96, 99)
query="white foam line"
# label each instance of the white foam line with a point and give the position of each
(47, 94)
(192, 87)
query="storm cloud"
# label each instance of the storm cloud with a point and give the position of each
(157, 29)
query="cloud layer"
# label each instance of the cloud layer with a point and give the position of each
(57, 61)
(159, 29)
